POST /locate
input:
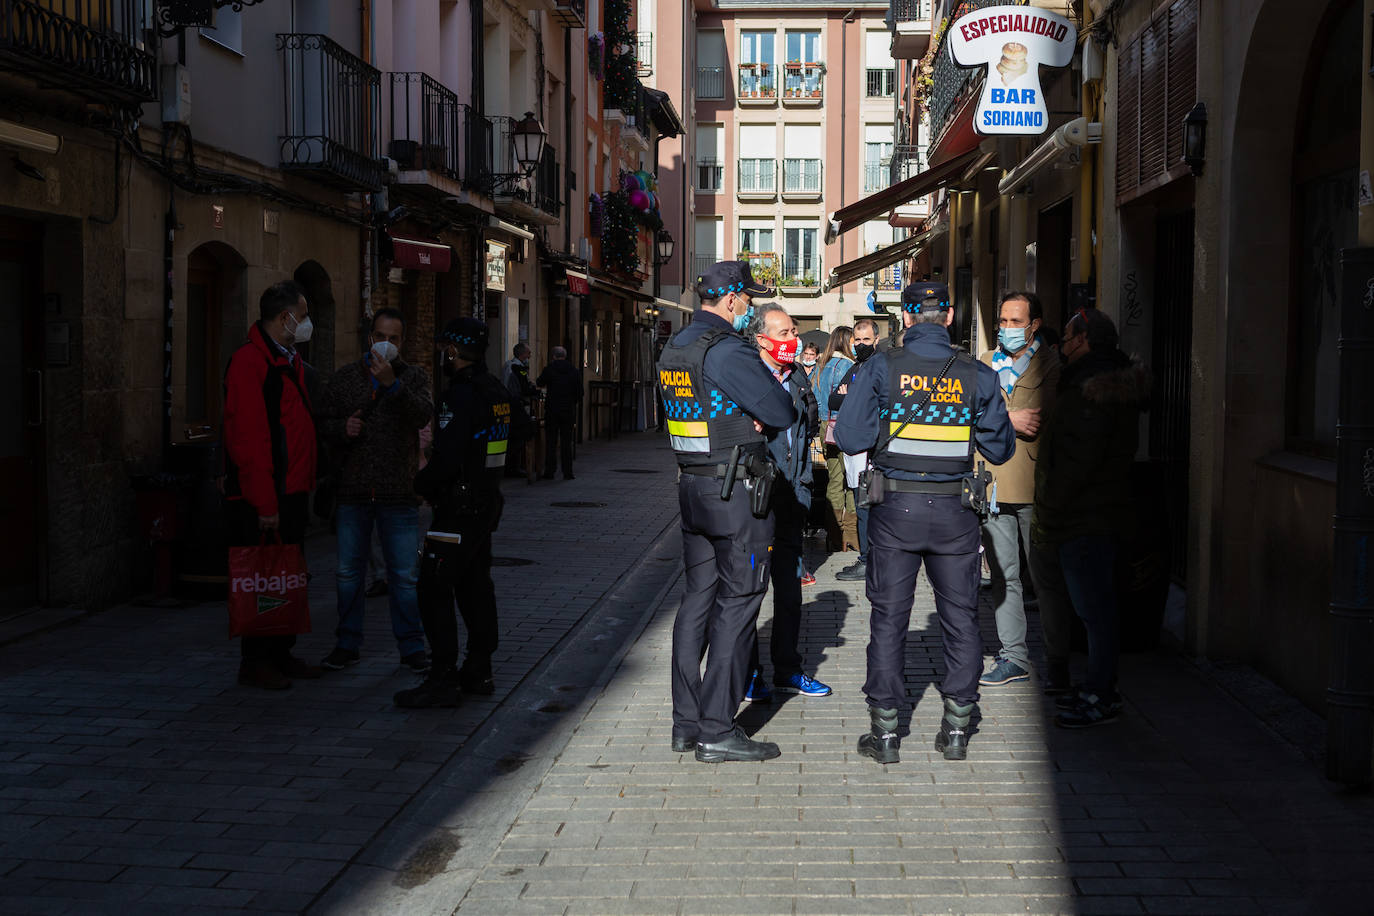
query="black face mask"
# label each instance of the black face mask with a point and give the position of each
(863, 351)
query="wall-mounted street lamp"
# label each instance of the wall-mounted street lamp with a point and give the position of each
(1195, 138)
(663, 242)
(527, 136)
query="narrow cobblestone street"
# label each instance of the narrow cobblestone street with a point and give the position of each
(138, 777)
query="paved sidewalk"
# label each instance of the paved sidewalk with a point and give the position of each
(136, 774)
(1186, 806)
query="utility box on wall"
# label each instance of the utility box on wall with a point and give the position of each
(176, 94)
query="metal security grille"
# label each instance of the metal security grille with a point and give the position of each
(1172, 349)
(1157, 85)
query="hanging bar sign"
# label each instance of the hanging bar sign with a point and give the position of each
(1012, 42)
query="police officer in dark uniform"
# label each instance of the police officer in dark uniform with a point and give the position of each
(719, 399)
(923, 409)
(462, 483)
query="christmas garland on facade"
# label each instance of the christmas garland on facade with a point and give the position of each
(620, 233)
(621, 68)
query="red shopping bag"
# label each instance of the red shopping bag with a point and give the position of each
(268, 590)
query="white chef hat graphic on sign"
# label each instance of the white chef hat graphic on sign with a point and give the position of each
(1012, 42)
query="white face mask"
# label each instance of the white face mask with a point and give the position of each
(303, 329)
(386, 350)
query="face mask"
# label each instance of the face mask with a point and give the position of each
(1011, 339)
(863, 351)
(303, 329)
(809, 361)
(742, 321)
(385, 350)
(782, 351)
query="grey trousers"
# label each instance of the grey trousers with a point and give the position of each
(1003, 535)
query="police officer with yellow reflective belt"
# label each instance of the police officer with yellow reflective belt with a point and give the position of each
(462, 482)
(923, 409)
(718, 399)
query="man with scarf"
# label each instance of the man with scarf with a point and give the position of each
(865, 345)
(775, 334)
(1029, 373)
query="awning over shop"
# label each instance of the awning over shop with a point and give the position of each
(871, 263)
(578, 284)
(414, 254)
(616, 288)
(1074, 134)
(861, 211)
(670, 304)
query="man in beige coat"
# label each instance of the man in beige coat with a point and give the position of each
(1028, 369)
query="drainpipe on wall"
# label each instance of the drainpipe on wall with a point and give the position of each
(844, 130)
(568, 139)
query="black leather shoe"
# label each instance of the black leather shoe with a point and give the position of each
(736, 746)
(682, 745)
(854, 572)
(436, 691)
(476, 683)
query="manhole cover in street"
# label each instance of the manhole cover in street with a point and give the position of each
(577, 504)
(511, 561)
(634, 471)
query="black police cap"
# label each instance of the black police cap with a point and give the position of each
(730, 277)
(916, 294)
(466, 334)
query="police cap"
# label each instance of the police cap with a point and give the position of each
(467, 334)
(730, 277)
(916, 295)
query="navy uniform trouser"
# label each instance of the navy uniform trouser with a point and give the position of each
(726, 552)
(789, 518)
(904, 530)
(458, 573)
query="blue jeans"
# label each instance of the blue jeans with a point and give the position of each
(1079, 577)
(399, 530)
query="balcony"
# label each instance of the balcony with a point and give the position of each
(763, 266)
(700, 262)
(95, 48)
(906, 162)
(887, 280)
(801, 179)
(441, 147)
(801, 84)
(800, 276)
(910, 21)
(644, 53)
(332, 117)
(881, 83)
(877, 175)
(571, 14)
(637, 120)
(758, 85)
(532, 198)
(758, 179)
(710, 175)
(952, 83)
(710, 82)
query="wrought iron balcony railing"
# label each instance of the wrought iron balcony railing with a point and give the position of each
(758, 176)
(877, 175)
(570, 14)
(763, 265)
(801, 176)
(710, 174)
(540, 187)
(758, 81)
(889, 279)
(951, 81)
(94, 47)
(702, 261)
(800, 273)
(710, 82)
(332, 113)
(907, 161)
(910, 10)
(802, 81)
(424, 125)
(882, 82)
(644, 52)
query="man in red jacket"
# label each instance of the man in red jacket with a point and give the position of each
(269, 444)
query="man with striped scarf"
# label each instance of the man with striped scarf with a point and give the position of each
(1028, 371)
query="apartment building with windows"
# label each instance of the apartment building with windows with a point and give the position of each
(792, 116)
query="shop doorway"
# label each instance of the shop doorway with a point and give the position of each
(23, 526)
(1170, 359)
(1054, 230)
(319, 295)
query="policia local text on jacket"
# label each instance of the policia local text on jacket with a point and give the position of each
(714, 387)
(462, 481)
(922, 516)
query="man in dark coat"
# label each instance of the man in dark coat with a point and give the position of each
(1083, 506)
(563, 382)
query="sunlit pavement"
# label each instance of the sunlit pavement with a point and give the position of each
(135, 772)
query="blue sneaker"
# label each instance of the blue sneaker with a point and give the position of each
(802, 684)
(1003, 671)
(758, 691)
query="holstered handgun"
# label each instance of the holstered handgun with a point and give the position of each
(763, 474)
(727, 486)
(974, 492)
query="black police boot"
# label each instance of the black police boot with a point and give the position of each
(440, 689)
(881, 742)
(475, 677)
(952, 740)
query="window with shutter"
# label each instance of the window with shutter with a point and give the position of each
(1156, 87)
